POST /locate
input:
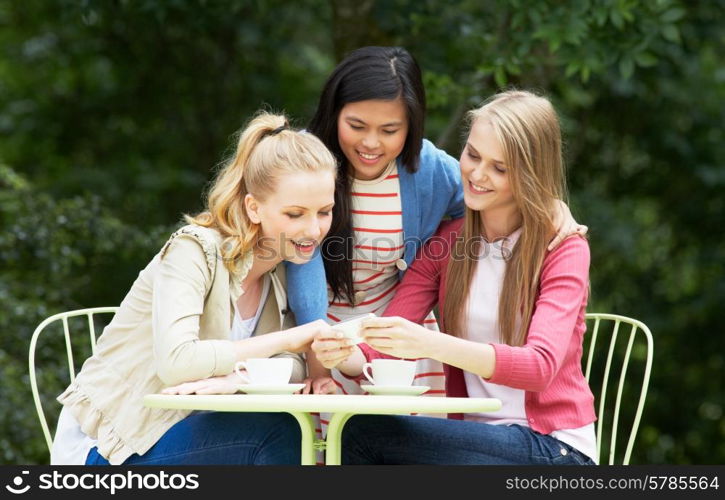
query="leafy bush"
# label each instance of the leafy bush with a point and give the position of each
(56, 255)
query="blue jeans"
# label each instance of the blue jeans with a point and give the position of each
(394, 439)
(220, 438)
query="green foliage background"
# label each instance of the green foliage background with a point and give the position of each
(113, 115)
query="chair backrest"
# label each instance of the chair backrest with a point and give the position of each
(62, 317)
(638, 332)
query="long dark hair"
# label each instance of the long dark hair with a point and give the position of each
(368, 73)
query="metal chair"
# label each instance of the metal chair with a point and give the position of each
(63, 317)
(635, 332)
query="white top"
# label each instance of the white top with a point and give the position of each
(243, 328)
(482, 326)
(71, 445)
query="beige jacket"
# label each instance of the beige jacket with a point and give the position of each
(173, 326)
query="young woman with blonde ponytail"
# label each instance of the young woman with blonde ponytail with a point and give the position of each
(512, 311)
(215, 294)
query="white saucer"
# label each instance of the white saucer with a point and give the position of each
(395, 390)
(270, 388)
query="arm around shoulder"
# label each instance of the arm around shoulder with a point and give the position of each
(307, 290)
(447, 178)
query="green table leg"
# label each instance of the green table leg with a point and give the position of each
(333, 455)
(307, 426)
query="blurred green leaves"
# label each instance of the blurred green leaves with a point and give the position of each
(113, 116)
(55, 255)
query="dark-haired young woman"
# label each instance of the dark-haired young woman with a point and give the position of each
(393, 188)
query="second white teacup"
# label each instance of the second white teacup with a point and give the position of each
(265, 371)
(390, 372)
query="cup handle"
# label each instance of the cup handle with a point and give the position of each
(367, 374)
(239, 365)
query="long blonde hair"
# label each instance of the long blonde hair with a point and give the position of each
(527, 128)
(267, 150)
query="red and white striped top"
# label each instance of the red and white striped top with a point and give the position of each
(377, 222)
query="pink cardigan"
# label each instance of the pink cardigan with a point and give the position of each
(548, 366)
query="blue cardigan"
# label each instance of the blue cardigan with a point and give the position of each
(428, 195)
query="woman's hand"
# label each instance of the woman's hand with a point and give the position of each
(300, 337)
(319, 385)
(397, 337)
(226, 384)
(331, 348)
(565, 225)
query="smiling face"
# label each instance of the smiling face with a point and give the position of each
(371, 135)
(295, 217)
(485, 174)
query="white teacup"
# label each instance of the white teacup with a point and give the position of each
(390, 372)
(351, 327)
(265, 371)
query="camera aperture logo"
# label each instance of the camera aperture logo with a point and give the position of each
(111, 482)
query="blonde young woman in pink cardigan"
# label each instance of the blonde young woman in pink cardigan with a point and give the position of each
(512, 312)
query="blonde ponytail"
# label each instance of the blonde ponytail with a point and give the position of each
(267, 149)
